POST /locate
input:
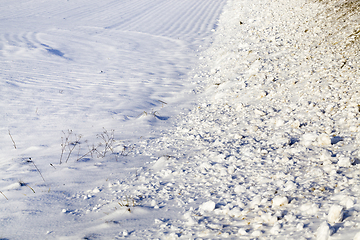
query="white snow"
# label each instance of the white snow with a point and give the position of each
(357, 236)
(207, 206)
(336, 214)
(323, 232)
(279, 201)
(185, 119)
(344, 161)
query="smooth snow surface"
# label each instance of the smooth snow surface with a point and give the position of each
(268, 149)
(90, 71)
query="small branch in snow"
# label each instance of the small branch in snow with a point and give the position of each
(343, 64)
(36, 169)
(24, 184)
(12, 139)
(70, 144)
(162, 102)
(4, 195)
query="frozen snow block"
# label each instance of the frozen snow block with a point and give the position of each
(160, 163)
(279, 201)
(308, 138)
(336, 214)
(309, 208)
(323, 140)
(207, 206)
(344, 162)
(323, 232)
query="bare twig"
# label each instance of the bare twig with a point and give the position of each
(24, 184)
(127, 202)
(37, 168)
(63, 145)
(66, 142)
(93, 149)
(4, 195)
(143, 113)
(73, 144)
(12, 139)
(105, 146)
(162, 102)
(126, 150)
(107, 141)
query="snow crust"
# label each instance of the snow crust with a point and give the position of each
(257, 138)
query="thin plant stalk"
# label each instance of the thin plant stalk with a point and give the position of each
(12, 139)
(4, 195)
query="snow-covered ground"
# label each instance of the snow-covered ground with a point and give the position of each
(171, 124)
(84, 70)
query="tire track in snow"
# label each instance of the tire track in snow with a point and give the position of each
(186, 20)
(175, 20)
(178, 24)
(132, 14)
(197, 24)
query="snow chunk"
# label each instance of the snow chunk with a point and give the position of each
(231, 169)
(125, 233)
(240, 107)
(344, 162)
(268, 218)
(153, 203)
(16, 185)
(308, 138)
(189, 218)
(256, 233)
(325, 156)
(215, 226)
(259, 112)
(279, 201)
(323, 232)
(347, 202)
(279, 122)
(309, 208)
(261, 94)
(317, 172)
(256, 201)
(300, 226)
(295, 124)
(275, 230)
(323, 140)
(207, 206)
(239, 189)
(235, 212)
(314, 139)
(290, 185)
(242, 232)
(336, 213)
(160, 163)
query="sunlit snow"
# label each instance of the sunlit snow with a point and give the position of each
(205, 119)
